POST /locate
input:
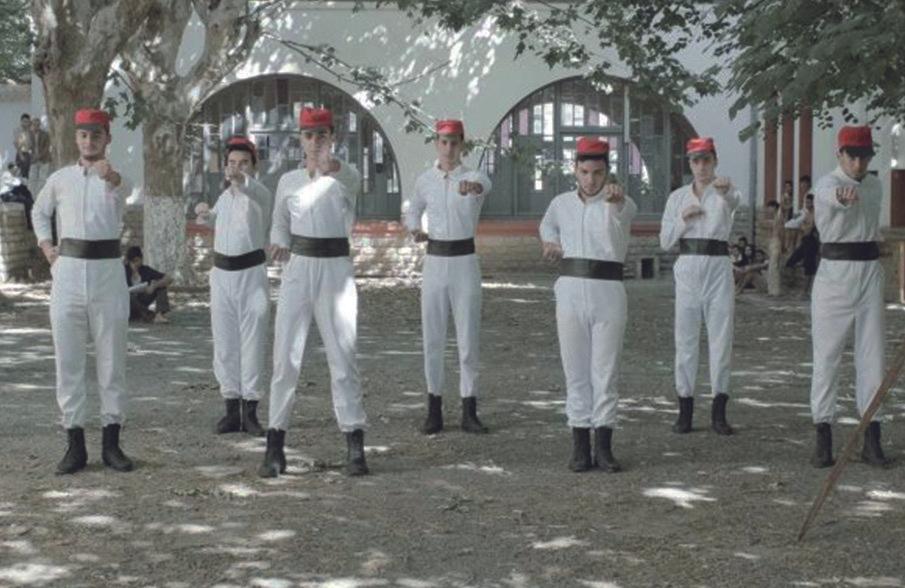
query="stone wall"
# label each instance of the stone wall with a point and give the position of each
(17, 244)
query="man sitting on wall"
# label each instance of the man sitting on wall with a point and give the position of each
(146, 286)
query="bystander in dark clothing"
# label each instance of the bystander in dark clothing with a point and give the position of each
(146, 286)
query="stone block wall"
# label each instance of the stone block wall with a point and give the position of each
(18, 245)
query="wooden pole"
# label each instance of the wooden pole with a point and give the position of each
(892, 374)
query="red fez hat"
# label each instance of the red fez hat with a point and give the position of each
(856, 137)
(697, 145)
(450, 127)
(592, 146)
(313, 118)
(240, 141)
(91, 117)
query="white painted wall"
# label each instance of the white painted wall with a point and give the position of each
(480, 85)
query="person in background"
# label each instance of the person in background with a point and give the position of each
(147, 286)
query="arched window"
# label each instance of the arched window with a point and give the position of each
(267, 109)
(536, 146)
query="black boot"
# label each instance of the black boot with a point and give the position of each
(250, 422)
(581, 450)
(823, 455)
(603, 453)
(355, 454)
(434, 422)
(76, 457)
(718, 415)
(470, 422)
(686, 411)
(274, 457)
(232, 422)
(872, 453)
(111, 454)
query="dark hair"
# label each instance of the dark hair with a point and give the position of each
(593, 157)
(858, 151)
(805, 178)
(773, 204)
(24, 116)
(241, 147)
(133, 252)
(788, 183)
(809, 196)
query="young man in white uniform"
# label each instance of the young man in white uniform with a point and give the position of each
(698, 217)
(848, 290)
(452, 194)
(312, 221)
(587, 231)
(88, 296)
(240, 298)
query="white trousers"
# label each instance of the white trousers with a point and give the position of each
(451, 283)
(590, 321)
(704, 291)
(322, 289)
(240, 312)
(846, 294)
(89, 298)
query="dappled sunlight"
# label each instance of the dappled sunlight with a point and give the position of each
(762, 404)
(559, 543)
(218, 471)
(680, 497)
(76, 498)
(96, 521)
(25, 574)
(747, 556)
(484, 469)
(598, 584)
(276, 535)
(874, 582)
(755, 469)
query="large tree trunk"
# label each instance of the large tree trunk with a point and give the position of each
(65, 93)
(164, 203)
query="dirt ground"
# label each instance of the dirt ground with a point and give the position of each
(451, 509)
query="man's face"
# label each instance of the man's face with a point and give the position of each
(804, 187)
(449, 148)
(26, 122)
(809, 203)
(854, 167)
(135, 262)
(239, 161)
(770, 212)
(316, 141)
(92, 142)
(703, 167)
(591, 175)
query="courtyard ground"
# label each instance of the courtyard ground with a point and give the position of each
(451, 509)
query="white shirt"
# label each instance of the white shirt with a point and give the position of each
(87, 207)
(715, 223)
(322, 206)
(592, 229)
(242, 218)
(859, 221)
(450, 215)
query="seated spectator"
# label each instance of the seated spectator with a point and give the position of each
(146, 286)
(13, 189)
(750, 277)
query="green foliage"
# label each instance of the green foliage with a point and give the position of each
(787, 55)
(16, 41)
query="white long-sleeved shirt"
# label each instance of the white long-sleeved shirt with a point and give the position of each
(322, 206)
(241, 218)
(450, 215)
(715, 223)
(839, 223)
(591, 229)
(87, 207)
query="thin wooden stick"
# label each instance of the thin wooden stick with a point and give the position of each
(892, 374)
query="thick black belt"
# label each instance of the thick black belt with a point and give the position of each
(319, 247)
(703, 247)
(450, 248)
(104, 249)
(854, 251)
(594, 269)
(234, 263)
